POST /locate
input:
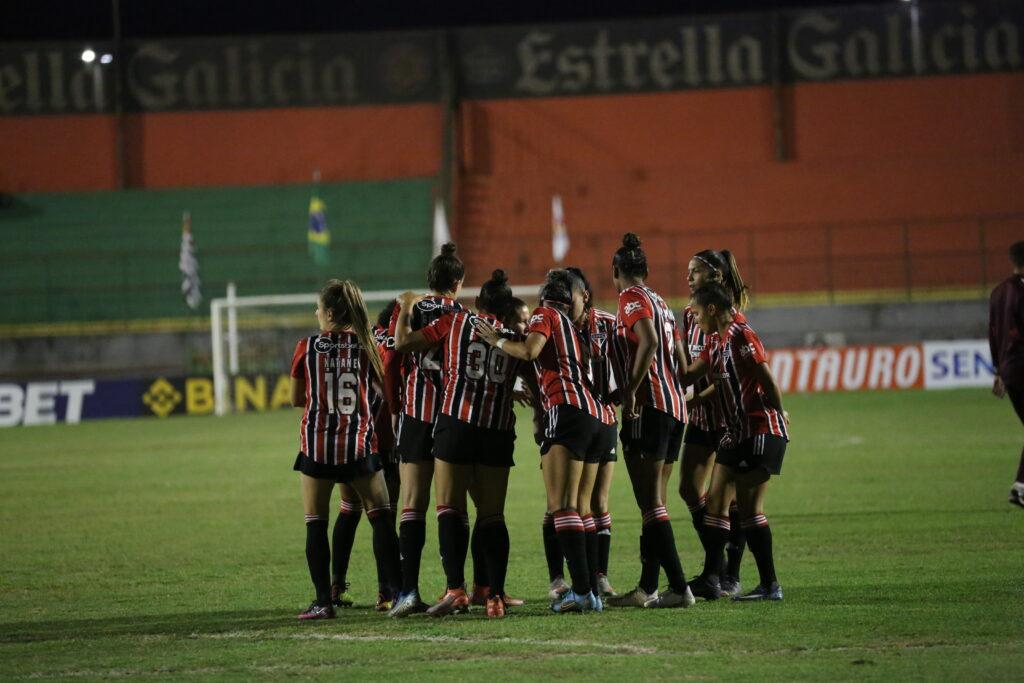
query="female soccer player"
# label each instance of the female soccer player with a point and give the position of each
(421, 397)
(653, 419)
(332, 372)
(474, 438)
(753, 442)
(704, 429)
(599, 328)
(573, 433)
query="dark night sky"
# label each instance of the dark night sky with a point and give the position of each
(92, 19)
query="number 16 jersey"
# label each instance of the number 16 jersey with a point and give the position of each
(478, 378)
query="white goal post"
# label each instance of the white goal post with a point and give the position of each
(225, 310)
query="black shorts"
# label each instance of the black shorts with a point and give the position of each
(576, 429)
(764, 451)
(701, 437)
(462, 443)
(655, 434)
(608, 443)
(390, 465)
(363, 467)
(415, 442)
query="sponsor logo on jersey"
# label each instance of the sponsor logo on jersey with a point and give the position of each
(633, 307)
(747, 350)
(536, 319)
(325, 345)
(428, 305)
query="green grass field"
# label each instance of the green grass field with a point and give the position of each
(174, 550)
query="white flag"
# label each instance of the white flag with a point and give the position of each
(559, 234)
(441, 234)
(188, 265)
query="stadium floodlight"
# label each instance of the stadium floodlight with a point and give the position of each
(275, 318)
(88, 55)
(106, 59)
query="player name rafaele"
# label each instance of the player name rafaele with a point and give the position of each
(524, 61)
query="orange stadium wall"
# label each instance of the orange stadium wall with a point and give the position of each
(920, 179)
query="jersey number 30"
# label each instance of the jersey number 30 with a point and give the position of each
(482, 359)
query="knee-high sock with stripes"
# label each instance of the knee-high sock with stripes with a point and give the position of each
(385, 547)
(604, 541)
(479, 555)
(590, 542)
(412, 534)
(650, 567)
(342, 538)
(569, 527)
(697, 512)
(552, 549)
(716, 535)
(759, 538)
(453, 537)
(664, 543)
(736, 545)
(494, 537)
(318, 557)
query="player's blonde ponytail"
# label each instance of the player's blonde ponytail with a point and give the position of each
(345, 301)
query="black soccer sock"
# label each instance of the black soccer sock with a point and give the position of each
(385, 547)
(716, 535)
(697, 512)
(664, 543)
(590, 543)
(412, 534)
(495, 542)
(650, 568)
(604, 541)
(736, 545)
(318, 557)
(759, 538)
(450, 535)
(342, 538)
(1020, 469)
(569, 527)
(476, 548)
(552, 548)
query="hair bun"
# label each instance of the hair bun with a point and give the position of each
(499, 277)
(448, 249)
(631, 241)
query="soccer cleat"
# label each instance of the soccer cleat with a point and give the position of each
(316, 611)
(604, 587)
(406, 604)
(730, 586)
(773, 592)
(558, 588)
(634, 598)
(340, 596)
(383, 603)
(669, 598)
(569, 602)
(478, 596)
(597, 605)
(512, 602)
(454, 601)
(700, 587)
(495, 608)
(1017, 495)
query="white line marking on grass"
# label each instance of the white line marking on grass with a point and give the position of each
(620, 648)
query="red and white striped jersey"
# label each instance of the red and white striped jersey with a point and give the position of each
(380, 402)
(563, 364)
(661, 388)
(706, 416)
(599, 331)
(731, 360)
(478, 378)
(337, 424)
(421, 370)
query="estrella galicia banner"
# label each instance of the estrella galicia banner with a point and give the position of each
(554, 60)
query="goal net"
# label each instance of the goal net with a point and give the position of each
(252, 339)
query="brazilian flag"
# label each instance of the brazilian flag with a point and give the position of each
(319, 236)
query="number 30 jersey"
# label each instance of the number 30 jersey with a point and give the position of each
(478, 378)
(337, 424)
(421, 392)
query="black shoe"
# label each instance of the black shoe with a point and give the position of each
(316, 611)
(773, 592)
(704, 588)
(1017, 496)
(730, 586)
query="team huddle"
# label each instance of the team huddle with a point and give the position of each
(426, 397)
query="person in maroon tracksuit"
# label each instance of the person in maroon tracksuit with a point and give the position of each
(1006, 341)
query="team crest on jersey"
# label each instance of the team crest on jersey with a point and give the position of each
(599, 337)
(632, 307)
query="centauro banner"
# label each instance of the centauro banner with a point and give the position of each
(553, 60)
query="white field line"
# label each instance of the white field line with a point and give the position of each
(382, 638)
